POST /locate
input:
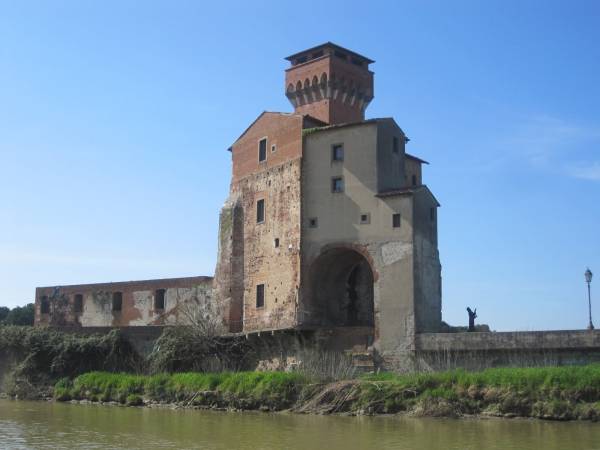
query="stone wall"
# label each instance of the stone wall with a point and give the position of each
(138, 302)
(441, 351)
(255, 252)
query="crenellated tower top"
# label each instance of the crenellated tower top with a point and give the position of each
(330, 83)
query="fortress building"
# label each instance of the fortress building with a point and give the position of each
(328, 227)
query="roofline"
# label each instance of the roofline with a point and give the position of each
(352, 124)
(368, 60)
(256, 120)
(415, 158)
(408, 191)
(157, 280)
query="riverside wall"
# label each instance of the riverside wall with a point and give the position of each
(440, 351)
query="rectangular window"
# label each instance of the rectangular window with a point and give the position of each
(396, 220)
(395, 145)
(337, 152)
(273, 148)
(337, 184)
(276, 242)
(159, 299)
(260, 296)
(313, 222)
(45, 306)
(365, 218)
(260, 211)
(262, 150)
(117, 301)
(78, 303)
(414, 180)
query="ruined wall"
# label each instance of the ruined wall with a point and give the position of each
(266, 252)
(138, 306)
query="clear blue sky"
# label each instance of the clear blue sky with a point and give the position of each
(115, 118)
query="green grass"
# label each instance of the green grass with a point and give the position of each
(549, 392)
(105, 386)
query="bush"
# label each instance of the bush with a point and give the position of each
(46, 354)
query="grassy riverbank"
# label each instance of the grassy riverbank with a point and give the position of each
(560, 393)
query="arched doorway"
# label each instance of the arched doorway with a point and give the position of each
(342, 288)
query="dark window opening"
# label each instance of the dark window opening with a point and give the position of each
(414, 180)
(260, 295)
(78, 303)
(432, 214)
(262, 150)
(260, 211)
(45, 305)
(365, 218)
(313, 222)
(340, 54)
(276, 242)
(159, 299)
(337, 152)
(337, 184)
(357, 62)
(396, 220)
(117, 301)
(273, 148)
(395, 145)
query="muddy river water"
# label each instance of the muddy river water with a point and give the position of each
(46, 425)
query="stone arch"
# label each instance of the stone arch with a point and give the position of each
(323, 78)
(341, 288)
(290, 88)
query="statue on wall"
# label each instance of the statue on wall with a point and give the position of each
(472, 317)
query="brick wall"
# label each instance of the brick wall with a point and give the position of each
(138, 305)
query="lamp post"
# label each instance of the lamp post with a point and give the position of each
(588, 280)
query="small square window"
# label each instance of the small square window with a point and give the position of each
(260, 296)
(117, 301)
(396, 220)
(273, 148)
(276, 242)
(313, 222)
(395, 145)
(337, 184)
(337, 152)
(260, 211)
(365, 218)
(78, 303)
(262, 150)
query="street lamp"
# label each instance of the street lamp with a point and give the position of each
(588, 280)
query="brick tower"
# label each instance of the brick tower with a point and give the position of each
(330, 83)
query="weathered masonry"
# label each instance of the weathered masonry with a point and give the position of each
(328, 228)
(328, 225)
(129, 303)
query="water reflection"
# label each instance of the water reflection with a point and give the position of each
(29, 425)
